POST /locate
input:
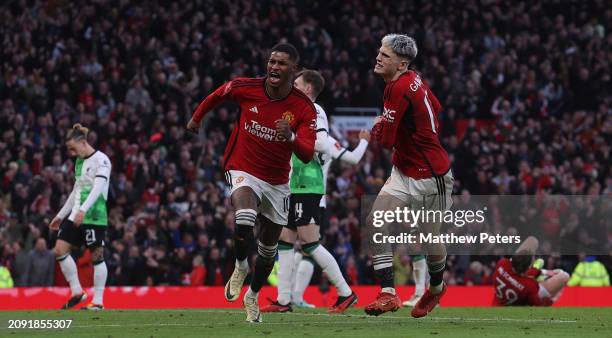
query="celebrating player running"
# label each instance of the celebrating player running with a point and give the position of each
(421, 175)
(307, 208)
(275, 121)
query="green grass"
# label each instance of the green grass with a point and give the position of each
(443, 322)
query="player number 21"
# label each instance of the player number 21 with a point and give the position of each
(90, 235)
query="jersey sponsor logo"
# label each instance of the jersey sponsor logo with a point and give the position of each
(263, 132)
(288, 116)
(338, 146)
(414, 86)
(239, 179)
(254, 109)
(389, 114)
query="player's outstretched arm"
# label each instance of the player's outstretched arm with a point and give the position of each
(350, 156)
(210, 102)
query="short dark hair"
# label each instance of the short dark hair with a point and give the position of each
(521, 261)
(314, 78)
(289, 49)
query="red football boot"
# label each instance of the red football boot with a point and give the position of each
(343, 303)
(384, 302)
(277, 307)
(427, 303)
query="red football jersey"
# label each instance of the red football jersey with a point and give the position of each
(254, 146)
(410, 126)
(514, 289)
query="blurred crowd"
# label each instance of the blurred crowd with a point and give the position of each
(525, 88)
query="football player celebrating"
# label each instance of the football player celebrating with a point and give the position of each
(306, 209)
(421, 176)
(276, 120)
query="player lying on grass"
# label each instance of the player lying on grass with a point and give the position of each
(87, 217)
(515, 279)
(308, 182)
(421, 177)
(276, 120)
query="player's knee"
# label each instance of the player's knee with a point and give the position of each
(284, 245)
(267, 252)
(60, 253)
(309, 233)
(244, 198)
(246, 217)
(435, 251)
(97, 255)
(310, 247)
(563, 277)
(288, 236)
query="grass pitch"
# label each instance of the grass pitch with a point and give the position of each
(443, 322)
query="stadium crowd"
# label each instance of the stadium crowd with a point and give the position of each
(525, 86)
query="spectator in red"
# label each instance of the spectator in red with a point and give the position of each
(198, 273)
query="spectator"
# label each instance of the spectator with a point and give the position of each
(589, 272)
(215, 269)
(478, 274)
(5, 278)
(198, 272)
(40, 265)
(19, 266)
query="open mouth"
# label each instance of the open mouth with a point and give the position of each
(274, 77)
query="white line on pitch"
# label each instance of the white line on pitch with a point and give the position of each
(561, 321)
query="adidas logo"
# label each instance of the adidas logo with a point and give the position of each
(254, 109)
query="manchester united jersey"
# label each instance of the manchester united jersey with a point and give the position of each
(254, 145)
(410, 126)
(514, 289)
